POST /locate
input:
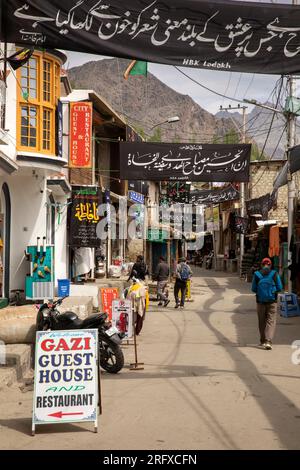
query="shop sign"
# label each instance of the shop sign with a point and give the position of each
(81, 135)
(84, 216)
(136, 197)
(108, 295)
(122, 317)
(66, 377)
(157, 235)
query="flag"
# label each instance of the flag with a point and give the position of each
(136, 67)
(20, 58)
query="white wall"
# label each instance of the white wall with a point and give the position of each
(61, 249)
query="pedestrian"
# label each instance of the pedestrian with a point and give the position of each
(183, 274)
(266, 284)
(139, 269)
(162, 275)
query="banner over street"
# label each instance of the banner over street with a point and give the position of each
(218, 35)
(157, 161)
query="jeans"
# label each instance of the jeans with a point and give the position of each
(180, 286)
(161, 286)
(266, 321)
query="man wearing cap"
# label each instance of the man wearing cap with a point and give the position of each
(183, 274)
(266, 284)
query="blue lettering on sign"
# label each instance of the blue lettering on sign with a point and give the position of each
(136, 197)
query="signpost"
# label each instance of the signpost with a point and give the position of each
(122, 317)
(67, 382)
(108, 294)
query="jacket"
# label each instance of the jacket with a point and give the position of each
(162, 272)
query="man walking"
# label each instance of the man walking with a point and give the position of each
(183, 274)
(266, 284)
(162, 275)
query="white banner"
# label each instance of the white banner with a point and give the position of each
(122, 317)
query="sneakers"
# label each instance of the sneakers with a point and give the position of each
(268, 345)
(177, 306)
(159, 304)
(166, 302)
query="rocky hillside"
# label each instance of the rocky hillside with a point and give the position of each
(147, 101)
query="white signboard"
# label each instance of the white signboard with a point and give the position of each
(122, 317)
(66, 377)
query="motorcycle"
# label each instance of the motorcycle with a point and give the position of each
(110, 352)
(209, 260)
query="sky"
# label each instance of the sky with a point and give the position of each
(235, 85)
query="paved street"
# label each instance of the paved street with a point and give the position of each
(206, 384)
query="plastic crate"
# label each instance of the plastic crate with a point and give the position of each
(63, 287)
(288, 305)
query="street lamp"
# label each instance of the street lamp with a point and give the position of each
(167, 121)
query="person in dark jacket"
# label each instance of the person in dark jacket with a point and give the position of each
(139, 269)
(162, 275)
(266, 284)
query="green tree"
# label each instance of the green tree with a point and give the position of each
(156, 136)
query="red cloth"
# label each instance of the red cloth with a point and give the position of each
(274, 242)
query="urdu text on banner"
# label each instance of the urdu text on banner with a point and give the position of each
(218, 35)
(185, 162)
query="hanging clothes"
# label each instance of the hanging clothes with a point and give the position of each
(274, 242)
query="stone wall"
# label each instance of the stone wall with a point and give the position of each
(262, 176)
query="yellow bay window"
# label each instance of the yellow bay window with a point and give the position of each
(38, 90)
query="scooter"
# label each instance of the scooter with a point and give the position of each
(110, 352)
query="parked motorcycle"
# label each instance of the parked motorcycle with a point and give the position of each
(209, 260)
(111, 355)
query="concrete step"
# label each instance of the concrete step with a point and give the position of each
(16, 362)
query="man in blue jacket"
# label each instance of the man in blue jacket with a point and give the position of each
(266, 284)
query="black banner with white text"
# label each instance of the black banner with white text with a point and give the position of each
(156, 161)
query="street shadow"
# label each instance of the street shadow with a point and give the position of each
(266, 393)
(23, 425)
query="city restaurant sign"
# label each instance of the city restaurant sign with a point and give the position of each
(217, 35)
(156, 161)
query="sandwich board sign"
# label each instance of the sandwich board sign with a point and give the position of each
(122, 317)
(66, 377)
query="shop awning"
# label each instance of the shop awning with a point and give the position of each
(59, 186)
(6, 164)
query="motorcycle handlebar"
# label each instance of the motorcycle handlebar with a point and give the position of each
(58, 301)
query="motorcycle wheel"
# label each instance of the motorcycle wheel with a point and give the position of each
(111, 356)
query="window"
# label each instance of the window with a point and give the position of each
(38, 91)
(46, 129)
(28, 126)
(29, 79)
(46, 80)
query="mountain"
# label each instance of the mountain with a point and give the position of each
(258, 123)
(144, 102)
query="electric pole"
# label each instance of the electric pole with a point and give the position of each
(291, 141)
(242, 131)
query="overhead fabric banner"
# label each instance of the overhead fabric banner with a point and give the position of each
(185, 162)
(214, 196)
(260, 205)
(218, 35)
(84, 216)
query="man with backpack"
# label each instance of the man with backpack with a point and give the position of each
(183, 274)
(266, 284)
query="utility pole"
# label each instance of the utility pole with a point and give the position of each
(242, 185)
(291, 141)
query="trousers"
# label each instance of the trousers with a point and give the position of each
(266, 321)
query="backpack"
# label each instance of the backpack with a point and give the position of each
(184, 272)
(266, 288)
